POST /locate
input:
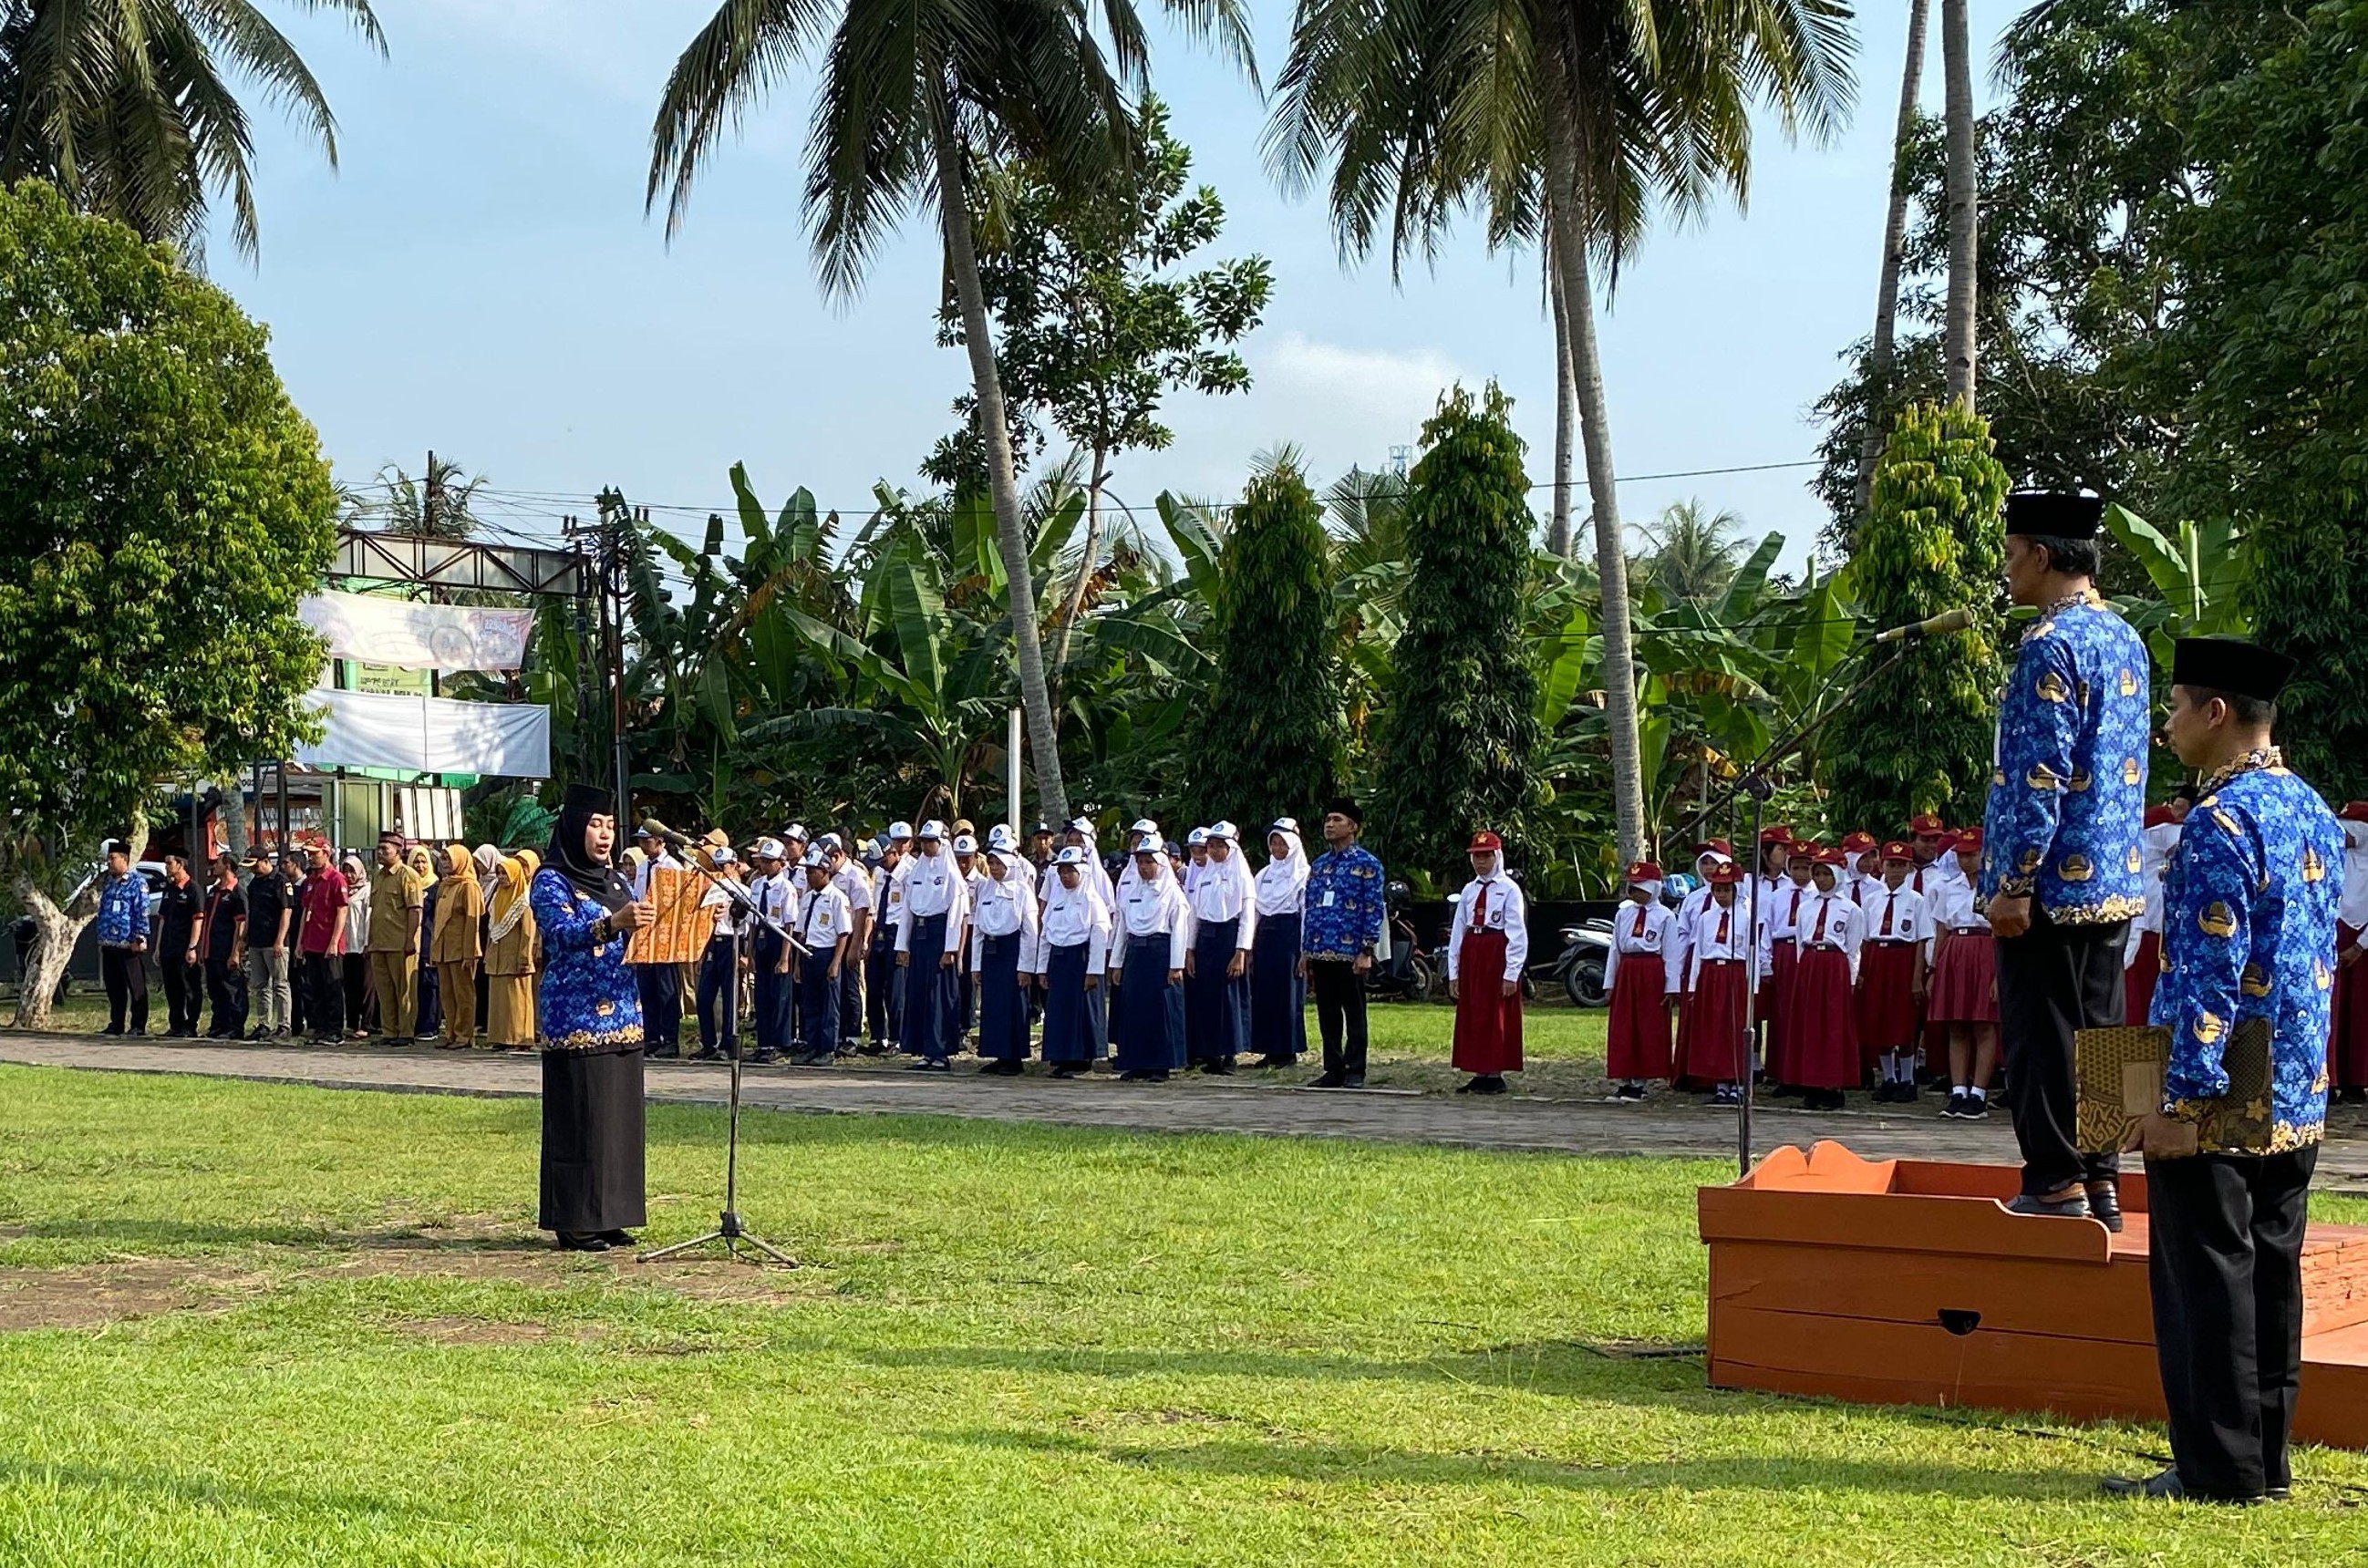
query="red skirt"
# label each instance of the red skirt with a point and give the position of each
(1711, 1040)
(1964, 980)
(1886, 998)
(1821, 1022)
(1487, 1022)
(2137, 981)
(1640, 1020)
(2346, 1057)
(1774, 987)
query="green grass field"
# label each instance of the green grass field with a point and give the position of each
(247, 1324)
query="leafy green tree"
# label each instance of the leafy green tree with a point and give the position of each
(909, 104)
(1461, 731)
(1696, 552)
(1271, 733)
(1095, 324)
(161, 507)
(1919, 738)
(126, 106)
(2271, 352)
(1566, 123)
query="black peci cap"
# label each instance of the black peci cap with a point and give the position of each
(1348, 808)
(592, 800)
(2227, 664)
(2055, 514)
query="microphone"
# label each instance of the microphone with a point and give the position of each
(1941, 625)
(665, 834)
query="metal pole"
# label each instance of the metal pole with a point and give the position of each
(1751, 993)
(613, 607)
(1011, 774)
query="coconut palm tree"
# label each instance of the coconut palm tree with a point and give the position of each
(913, 96)
(1696, 552)
(1965, 215)
(1881, 348)
(1561, 120)
(125, 105)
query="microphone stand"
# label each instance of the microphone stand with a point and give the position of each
(728, 1228)
(1757, 784)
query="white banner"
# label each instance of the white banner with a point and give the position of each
(376, 630)
(431, 735)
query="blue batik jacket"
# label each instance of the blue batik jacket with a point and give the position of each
(587, 1002)
(122, 910)
(2248, 932)
(1343, 904)
(2067, 795)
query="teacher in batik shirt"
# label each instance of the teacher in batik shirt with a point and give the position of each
(2061, 863)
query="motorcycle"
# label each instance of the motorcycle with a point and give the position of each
(1409, 975)
(1585, 951)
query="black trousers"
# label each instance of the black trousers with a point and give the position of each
(185, 991)
(324, 992)
(226, 984)
(884, 994)
(354, 976)
(1340, 1015)
(2225, 1270)
(2051, 982)
(125, 974)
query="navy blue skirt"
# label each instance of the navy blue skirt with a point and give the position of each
(1149, 1028)
(1002, 1004)
(1278, 996)
(1075, 1021)
(929, 993)
(1219, 1013)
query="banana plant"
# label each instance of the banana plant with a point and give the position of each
(2198, 570)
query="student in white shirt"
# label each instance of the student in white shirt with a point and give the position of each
(1962, 996)
(847, 874)
(1488, 947)
(770, 953)
(1713, 1039)
(719, 965)
(1223, 897)
(825, 929)
(928, 947)
(1001, 949)
(1278, 991)
(1897, 929)
(883, 997)
(1643, 985)
(1072, 953)
(1821, 1015)
(1152, 933)
(1781, 956)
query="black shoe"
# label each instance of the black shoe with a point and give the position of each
(1069, 1070)
(2073, 1206)
(1218, 1067)
(707, 1054)
(1784, 1092)
(1486, 1084)
(2353, 1095)
(617, 1238)
(664, 1053)
(2166, 1486)
(1726, 1095)
(1352, 1080)
(817, 1059)
(1267, 1061)
(1003, 1067)
(1627, 1094)
(933, 1064)
(110, 1032)
(1978, 1109)
(1955, 1107)
(1328, 1080)
(2105, 1204)
(582, 1241)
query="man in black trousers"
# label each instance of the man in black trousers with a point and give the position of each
(2061, 867)
(2251, 898)
(178, 959)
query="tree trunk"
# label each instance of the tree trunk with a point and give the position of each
(54, 934)
(1558, 537)
(1882, 352)
(233, 810)
(1003, 488)
(1566, 208)
(1965, 215)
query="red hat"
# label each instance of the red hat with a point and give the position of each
(1896, 850)
(1858, 843)
(1928, 826)
(1831, 857)
(1644, 871)
(1484, 839)
(1808, 848)
(1967, 839)
(1778, 835)
(1723, 874)
(2353, 811)
(2157, 816)
(1721, 848)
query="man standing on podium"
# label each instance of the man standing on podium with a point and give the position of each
(2060, 856)
(2251, 898)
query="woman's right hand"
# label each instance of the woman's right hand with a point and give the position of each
(633, 916)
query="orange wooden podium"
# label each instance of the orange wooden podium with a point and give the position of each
(1908, 1282)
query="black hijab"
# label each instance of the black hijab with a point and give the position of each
(567, 856)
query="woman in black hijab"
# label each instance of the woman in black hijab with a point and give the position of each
(591, 1022)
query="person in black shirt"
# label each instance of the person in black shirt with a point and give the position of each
(177, 948)
(221, 936)
(270, 933)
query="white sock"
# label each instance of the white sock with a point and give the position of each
(1977, 1092)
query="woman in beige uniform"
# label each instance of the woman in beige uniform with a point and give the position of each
(510, 956)
(456, 947)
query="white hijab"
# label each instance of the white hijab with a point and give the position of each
(1224, 890)
(1282, 884)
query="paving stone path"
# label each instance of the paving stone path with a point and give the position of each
(1675, 1125)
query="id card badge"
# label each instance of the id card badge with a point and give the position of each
(1331, 898)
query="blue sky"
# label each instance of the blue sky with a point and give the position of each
(478, 278)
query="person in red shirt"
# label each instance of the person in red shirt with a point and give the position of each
(321, 945)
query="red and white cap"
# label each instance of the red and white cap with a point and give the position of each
(1485, 840)
(1644, 871)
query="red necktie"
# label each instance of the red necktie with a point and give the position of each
(1794, 919)
(1723, 916)
(1821, 926)
(1480, 906)
(1887, 905)
(1639, 932)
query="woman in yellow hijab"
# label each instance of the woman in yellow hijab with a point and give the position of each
(510, 955)
(426, 1009)
(455, 947)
